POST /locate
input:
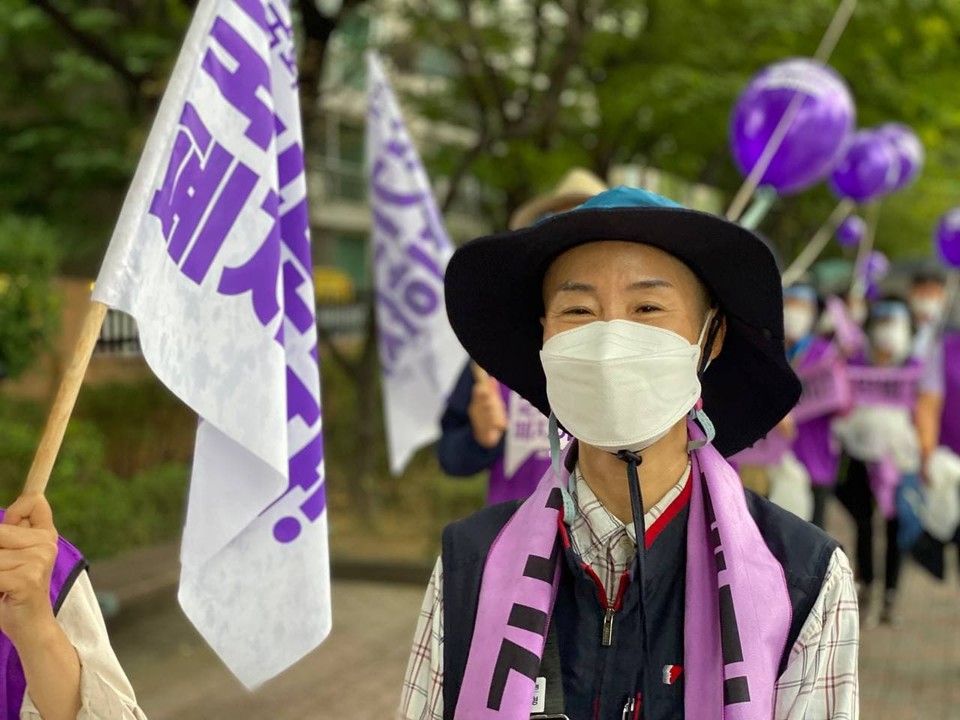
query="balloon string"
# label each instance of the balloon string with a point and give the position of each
(952, 292)
(827, 45)
(817, 243)
(832, 36)
(763, 200)
(858, 285)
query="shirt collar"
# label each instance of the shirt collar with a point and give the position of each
(594, 525)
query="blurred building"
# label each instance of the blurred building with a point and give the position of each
(340, 216)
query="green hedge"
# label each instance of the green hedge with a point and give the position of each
(415, 505)
(99, 511)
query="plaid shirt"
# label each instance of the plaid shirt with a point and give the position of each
(820, 680)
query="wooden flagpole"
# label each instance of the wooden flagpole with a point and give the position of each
(66, 398)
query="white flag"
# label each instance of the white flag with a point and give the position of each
(211, 255)
(420, 356)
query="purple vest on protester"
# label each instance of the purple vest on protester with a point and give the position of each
(526, 455)
(950, 425)
(813, 445)
(68, 566)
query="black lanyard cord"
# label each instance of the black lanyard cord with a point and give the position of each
(633, 460)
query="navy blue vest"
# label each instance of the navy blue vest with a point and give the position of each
(598, 673)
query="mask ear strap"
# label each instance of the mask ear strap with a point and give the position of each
(706, 424)
(554, 433)
(715, 324)
(566, 489)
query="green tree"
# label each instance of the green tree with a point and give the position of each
(28, 303)
(80, 86)
(82, 81)
(653, 83)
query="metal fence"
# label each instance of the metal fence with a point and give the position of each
(339, 318)
(118, 336)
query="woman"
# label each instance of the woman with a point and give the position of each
(639, 579)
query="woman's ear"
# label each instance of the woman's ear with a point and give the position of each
(720, 334)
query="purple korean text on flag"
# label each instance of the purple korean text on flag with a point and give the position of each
(204, 189)
(212, 256)
(419, 355)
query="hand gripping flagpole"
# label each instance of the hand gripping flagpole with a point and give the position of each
(817, 243)
(827, 45)
(62, 408)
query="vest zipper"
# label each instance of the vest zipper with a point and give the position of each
(610, 608)
(607, 639)
(609, 614)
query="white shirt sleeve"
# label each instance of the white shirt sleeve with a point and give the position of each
(105, 692)
(422, 697)
(821, 681)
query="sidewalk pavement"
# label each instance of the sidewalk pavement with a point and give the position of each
(906, 673)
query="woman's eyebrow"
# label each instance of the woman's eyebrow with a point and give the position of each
(649, 284)
(571, 286)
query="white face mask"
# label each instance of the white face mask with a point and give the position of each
(797, 322)
(927, 309)
(892, 337)
(621, 385)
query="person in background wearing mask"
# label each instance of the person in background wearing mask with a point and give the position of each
(639, 579)
(938, 423)
(487, 426)
(813, 444)
(882, 452)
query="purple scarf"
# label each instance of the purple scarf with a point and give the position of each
(747, 598)
(13, 684)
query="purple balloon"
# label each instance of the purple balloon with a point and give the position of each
(850, 231)
(909, 149)
(948, 237)
(821, 126)
(868, 169)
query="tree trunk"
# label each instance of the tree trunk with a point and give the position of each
(366, 440)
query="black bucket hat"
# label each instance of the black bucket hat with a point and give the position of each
(494, 302)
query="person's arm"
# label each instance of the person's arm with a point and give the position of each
(459, 452)
(821, 678)
(927, 419)
(422, 697)
(929, 410)
(105, 691)
(28, 552)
